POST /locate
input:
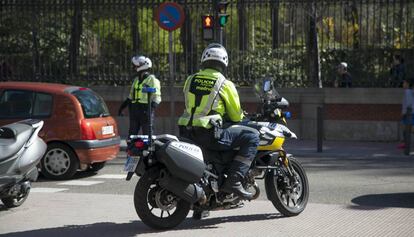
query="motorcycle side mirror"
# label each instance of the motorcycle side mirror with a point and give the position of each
(283, 103)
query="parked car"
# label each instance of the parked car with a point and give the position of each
(79, 132)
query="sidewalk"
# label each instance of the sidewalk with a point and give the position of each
(308, 148)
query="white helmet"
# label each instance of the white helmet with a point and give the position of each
(215, 52)
(141, 63)
(344, 65)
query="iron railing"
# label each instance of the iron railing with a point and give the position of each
(298, 42)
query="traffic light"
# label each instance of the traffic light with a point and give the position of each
(222, 6)
(208, 27)
(208, 21)
(222, 15)
(223, 18)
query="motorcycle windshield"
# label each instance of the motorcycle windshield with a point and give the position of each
(264, 89)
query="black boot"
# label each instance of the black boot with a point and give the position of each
(233, 185)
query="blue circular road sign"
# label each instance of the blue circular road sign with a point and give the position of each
(170, 16)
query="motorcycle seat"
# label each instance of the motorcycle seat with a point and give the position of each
(12, 138)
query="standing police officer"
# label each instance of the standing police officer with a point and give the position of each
(137, 101)
(211, 98)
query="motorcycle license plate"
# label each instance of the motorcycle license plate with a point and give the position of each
(131, 163)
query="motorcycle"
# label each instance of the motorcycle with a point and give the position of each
(20, 151)
(177, 176)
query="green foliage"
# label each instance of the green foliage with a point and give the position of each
(369, 68)
(40, 34)
(285, 66)
(156, 39)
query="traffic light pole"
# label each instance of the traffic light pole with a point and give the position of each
(221, 35)
(172, 79)
(213, 25)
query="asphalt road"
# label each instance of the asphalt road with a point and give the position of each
(359, 195)
(333, 180)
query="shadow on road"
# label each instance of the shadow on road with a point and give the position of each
(379, 201)
(77, 176)
(209, 223)
(136, 227)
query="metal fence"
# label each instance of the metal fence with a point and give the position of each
(298, 42)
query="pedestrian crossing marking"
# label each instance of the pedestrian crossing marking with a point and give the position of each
(80, 183)
(47, 190)
(110, 176)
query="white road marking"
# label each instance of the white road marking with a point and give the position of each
(110, 176)
(80, 183)
(47, 190)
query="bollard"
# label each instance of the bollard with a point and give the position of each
(319, 128)
(407, 131)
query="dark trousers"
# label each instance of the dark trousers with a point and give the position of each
(230, 138)
(138, 119)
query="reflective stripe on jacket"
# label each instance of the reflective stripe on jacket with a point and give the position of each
(208, 95)
(137, 96)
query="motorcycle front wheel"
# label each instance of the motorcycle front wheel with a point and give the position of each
(289, 195)
(157, 207)
(11, 202)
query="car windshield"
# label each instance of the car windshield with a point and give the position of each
(93, 105)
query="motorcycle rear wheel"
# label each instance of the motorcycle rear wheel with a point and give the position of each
(150, 199)
(289, 198)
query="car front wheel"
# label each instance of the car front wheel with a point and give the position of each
(59, 162)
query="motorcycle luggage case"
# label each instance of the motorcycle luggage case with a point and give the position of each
(183, 160)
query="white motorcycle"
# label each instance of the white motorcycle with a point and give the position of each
(177, 176)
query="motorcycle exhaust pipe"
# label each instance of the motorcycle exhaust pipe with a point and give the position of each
(190, 192)
(257, 191)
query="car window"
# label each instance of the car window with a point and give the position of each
(16, 104)
(93, 105)
(42, 105)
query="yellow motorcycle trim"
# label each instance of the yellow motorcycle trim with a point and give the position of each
(276, 145)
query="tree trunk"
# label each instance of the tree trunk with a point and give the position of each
(314, 73)
(187, 41)
(274, 11)
(355, 24)
(35, 41)
(243, 35)
(76, 33)
(134, 26)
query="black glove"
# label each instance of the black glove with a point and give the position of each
(123, 105)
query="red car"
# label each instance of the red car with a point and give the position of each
(78, 129)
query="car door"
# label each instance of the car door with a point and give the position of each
(16, 105)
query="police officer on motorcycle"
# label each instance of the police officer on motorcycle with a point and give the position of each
(137, 100)
(211, 99)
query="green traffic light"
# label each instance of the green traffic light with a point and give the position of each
(223, 19)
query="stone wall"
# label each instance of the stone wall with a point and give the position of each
(361, 114)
